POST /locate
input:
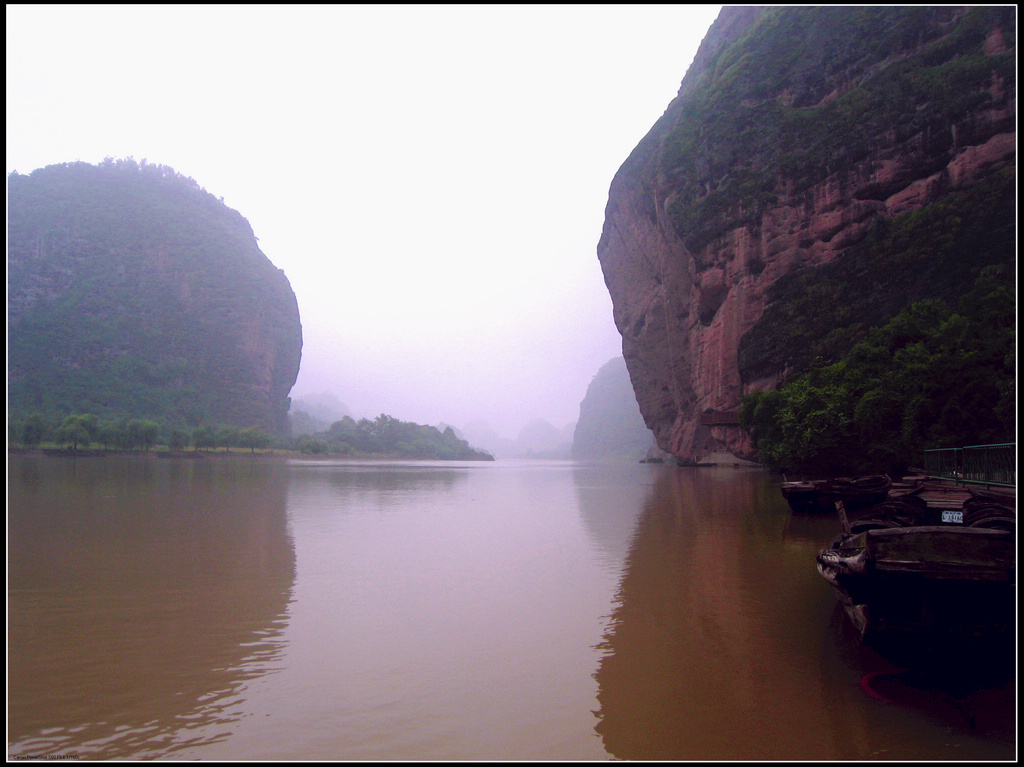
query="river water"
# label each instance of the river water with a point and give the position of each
(247, 607)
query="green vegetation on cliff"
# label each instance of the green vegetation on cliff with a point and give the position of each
(804, 94)
(134, 293)
(807, 92)
(880, 366)
(822, 170)
(937, 251)
(930, 378)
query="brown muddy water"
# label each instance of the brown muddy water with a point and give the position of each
(265, 608)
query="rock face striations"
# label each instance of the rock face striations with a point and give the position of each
(132, 292)
(820, 169)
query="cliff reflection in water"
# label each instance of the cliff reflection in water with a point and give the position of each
(714, 649)
(610, 497)
(143, 593)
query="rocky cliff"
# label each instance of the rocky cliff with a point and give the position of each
(819, 169)
(132, 292)
(610, 425)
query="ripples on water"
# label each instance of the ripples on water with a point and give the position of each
(231, 608)
(143, 594)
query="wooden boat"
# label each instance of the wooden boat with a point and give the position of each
(856, 492)
(929, 505)
(959, 582)
(936, 564)
(822, 495)
(807, 497)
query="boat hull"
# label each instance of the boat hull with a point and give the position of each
(807, 498)
(821, 496)
(926, 589)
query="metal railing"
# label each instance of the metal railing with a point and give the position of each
(976, 464)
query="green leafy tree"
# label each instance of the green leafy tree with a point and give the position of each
(177, 438)
(253, 437)
(228, 437)
(73, 431)
(932, 377)
(204, 437)
(113, 434)
(312, 445)
(91, 424)
(33, 430)
(391, 436)
(143, 433)
(368, 436)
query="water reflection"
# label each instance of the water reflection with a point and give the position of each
(725, 644)
(693, 662)
(610, 496)
(143, 594)
(440, 612)
(380, 481)
(802, 529)
(450, 616)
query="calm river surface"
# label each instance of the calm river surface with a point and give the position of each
(237, 607)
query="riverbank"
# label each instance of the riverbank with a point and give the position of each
(47, 452)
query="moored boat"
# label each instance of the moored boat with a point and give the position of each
(936, 565)
(858, 491)
(822, 495)
(807, 497)
(934, 579)
(928, 505)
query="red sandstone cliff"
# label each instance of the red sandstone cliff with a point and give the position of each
(683, 303)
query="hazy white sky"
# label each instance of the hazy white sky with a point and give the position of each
(431, 178)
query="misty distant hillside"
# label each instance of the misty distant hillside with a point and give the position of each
(312, 413)
(135, 293)
(538, 439)
(610, 425)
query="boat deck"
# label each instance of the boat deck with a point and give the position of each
(943, 494)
